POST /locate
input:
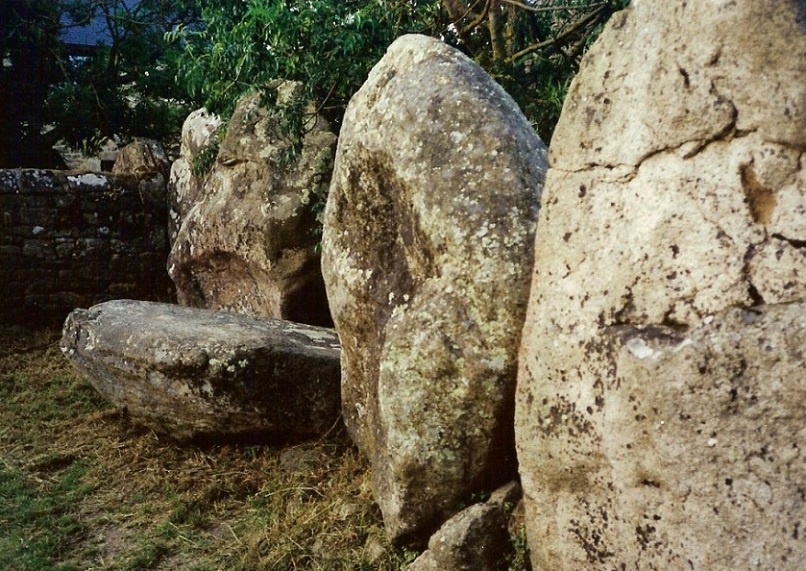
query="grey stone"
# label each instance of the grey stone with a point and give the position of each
(199, 133)
(194, 373)
(75, 239)
(427, 254)
(475, 539)
(659, 416)
(142, 156)
(248, 244)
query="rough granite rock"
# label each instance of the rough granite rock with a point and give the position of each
(142, 156)
(475, 539)
(195, 373)
(659, 416)
(248, 244)
(427, 254)
(198, 134)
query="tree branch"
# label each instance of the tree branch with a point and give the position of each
(495, 26)
(457, 11)
(478, 20)
(565, 35)
(550, 8)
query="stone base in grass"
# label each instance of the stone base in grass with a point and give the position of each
(193, 373)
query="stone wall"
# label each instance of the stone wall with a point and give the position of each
(72, 240)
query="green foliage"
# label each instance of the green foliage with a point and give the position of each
(37, 523)
(519, 561)
(205, 159)
(165, 57)
(328, 46)
(128, 87)
(532, 48)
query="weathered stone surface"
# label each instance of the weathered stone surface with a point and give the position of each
(658, 424)
(72, 240)
(142, 156)
(194, 373)
(475, 539)
(427, 252)
(184, 188)
(248, 243)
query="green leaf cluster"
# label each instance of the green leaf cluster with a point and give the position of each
(328, 46)
(531, 47)
(126, 86)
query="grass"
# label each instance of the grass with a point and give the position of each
(81, 488)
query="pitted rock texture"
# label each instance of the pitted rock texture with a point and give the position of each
(655, 421)
(248, 245)
(427, 253)
(199, 132)
(194, 373)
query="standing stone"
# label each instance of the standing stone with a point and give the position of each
(185, 186)
(427, 254)
(249, 243)
(659, 410)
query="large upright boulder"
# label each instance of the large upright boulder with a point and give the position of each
(186, 182)
(249, 243)
(427, 254)
(660, 420)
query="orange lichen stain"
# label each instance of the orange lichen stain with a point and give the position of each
(762, 200)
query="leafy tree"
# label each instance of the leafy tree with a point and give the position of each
(326, 44)
(127, 86)
(31, 59)
(124, 86)
(531, 47)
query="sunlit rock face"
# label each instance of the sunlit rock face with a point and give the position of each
(200, 132)
(427, 254)
(659, 418)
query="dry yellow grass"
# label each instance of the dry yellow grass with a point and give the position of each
(110, 495)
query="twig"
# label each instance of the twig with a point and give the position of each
(238, 539)
(581, 23)
(551, 8)
(478, 21)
